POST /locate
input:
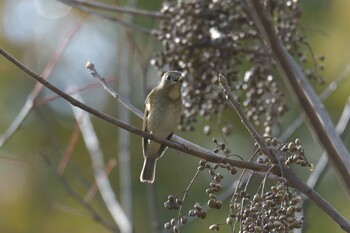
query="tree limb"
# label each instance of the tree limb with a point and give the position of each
(306, 96)
(196, 150)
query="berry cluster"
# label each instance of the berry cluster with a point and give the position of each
(205, 38)
(274, 211)
(174, 203)
(291, 153)
(214, 187)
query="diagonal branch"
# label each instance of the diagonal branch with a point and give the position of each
(98, 165)
(320, 168)
(83, 6)
(94, 214)
(196, 150)
(298, 122)
(113, 8)
(178, 143)
(291, 179)
(236, 105)
(29, 104)
(306, 96)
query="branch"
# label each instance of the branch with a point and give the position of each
(98, 165)
(113, 8)
(256, 136)
(29, 104)
(131, 26)
(96, 216)
(288, 174)
(177, 142)
(314, 109)
(91, 68)
(187, 147)
(325, 94)
(342, 126)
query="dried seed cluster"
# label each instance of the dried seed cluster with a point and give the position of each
(174, 203)
(291, 153)
(274, 211)
(214, 187)
(205, 38)
(197, 211)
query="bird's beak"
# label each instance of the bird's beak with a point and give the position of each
(181, 79)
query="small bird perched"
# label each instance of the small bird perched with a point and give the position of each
(162, 115)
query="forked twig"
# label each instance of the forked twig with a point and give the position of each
(95, 215)
(29, 104)
(101, 178)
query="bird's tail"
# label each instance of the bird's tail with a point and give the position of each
(148, 171)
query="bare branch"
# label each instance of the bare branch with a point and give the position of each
(196, 150)
(307, 98)
(176, 143)
(29, 104)
(325, 94)
(93, 189)
(98, 165)
(95, 215)
(236, 105)
(343, 124)
(113, 8)
(91, 67)
(69, 149)
(130, 26)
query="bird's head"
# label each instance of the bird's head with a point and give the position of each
(172, 78)
(171, 83)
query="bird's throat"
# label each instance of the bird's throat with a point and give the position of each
(174, 92)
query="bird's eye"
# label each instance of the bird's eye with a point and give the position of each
(167, 77)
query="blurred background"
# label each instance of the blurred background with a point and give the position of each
(56, 40)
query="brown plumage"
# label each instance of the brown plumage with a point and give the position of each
(161, 117)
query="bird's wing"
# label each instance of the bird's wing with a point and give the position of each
(148, 103)
(162, 148)
(144, 127)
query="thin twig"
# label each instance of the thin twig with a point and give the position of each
(29, 104)
(341, 127)
(101, 177)
(114, 8)
(298, 184)
(93, 189)
(292, 179)
(125, 68)
(127, 25)
(315, 176)
(69, 150)
(13, 160)
(325, 94)
(95, 215)
(89, 86)
(69, 209)
(256, 136)
(302, 90)
(183, 145)
(94, 73)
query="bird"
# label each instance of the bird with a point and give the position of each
(162, 115)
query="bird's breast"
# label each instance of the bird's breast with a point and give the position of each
(163, 119)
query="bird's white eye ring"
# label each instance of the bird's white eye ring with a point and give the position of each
(167, 77)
